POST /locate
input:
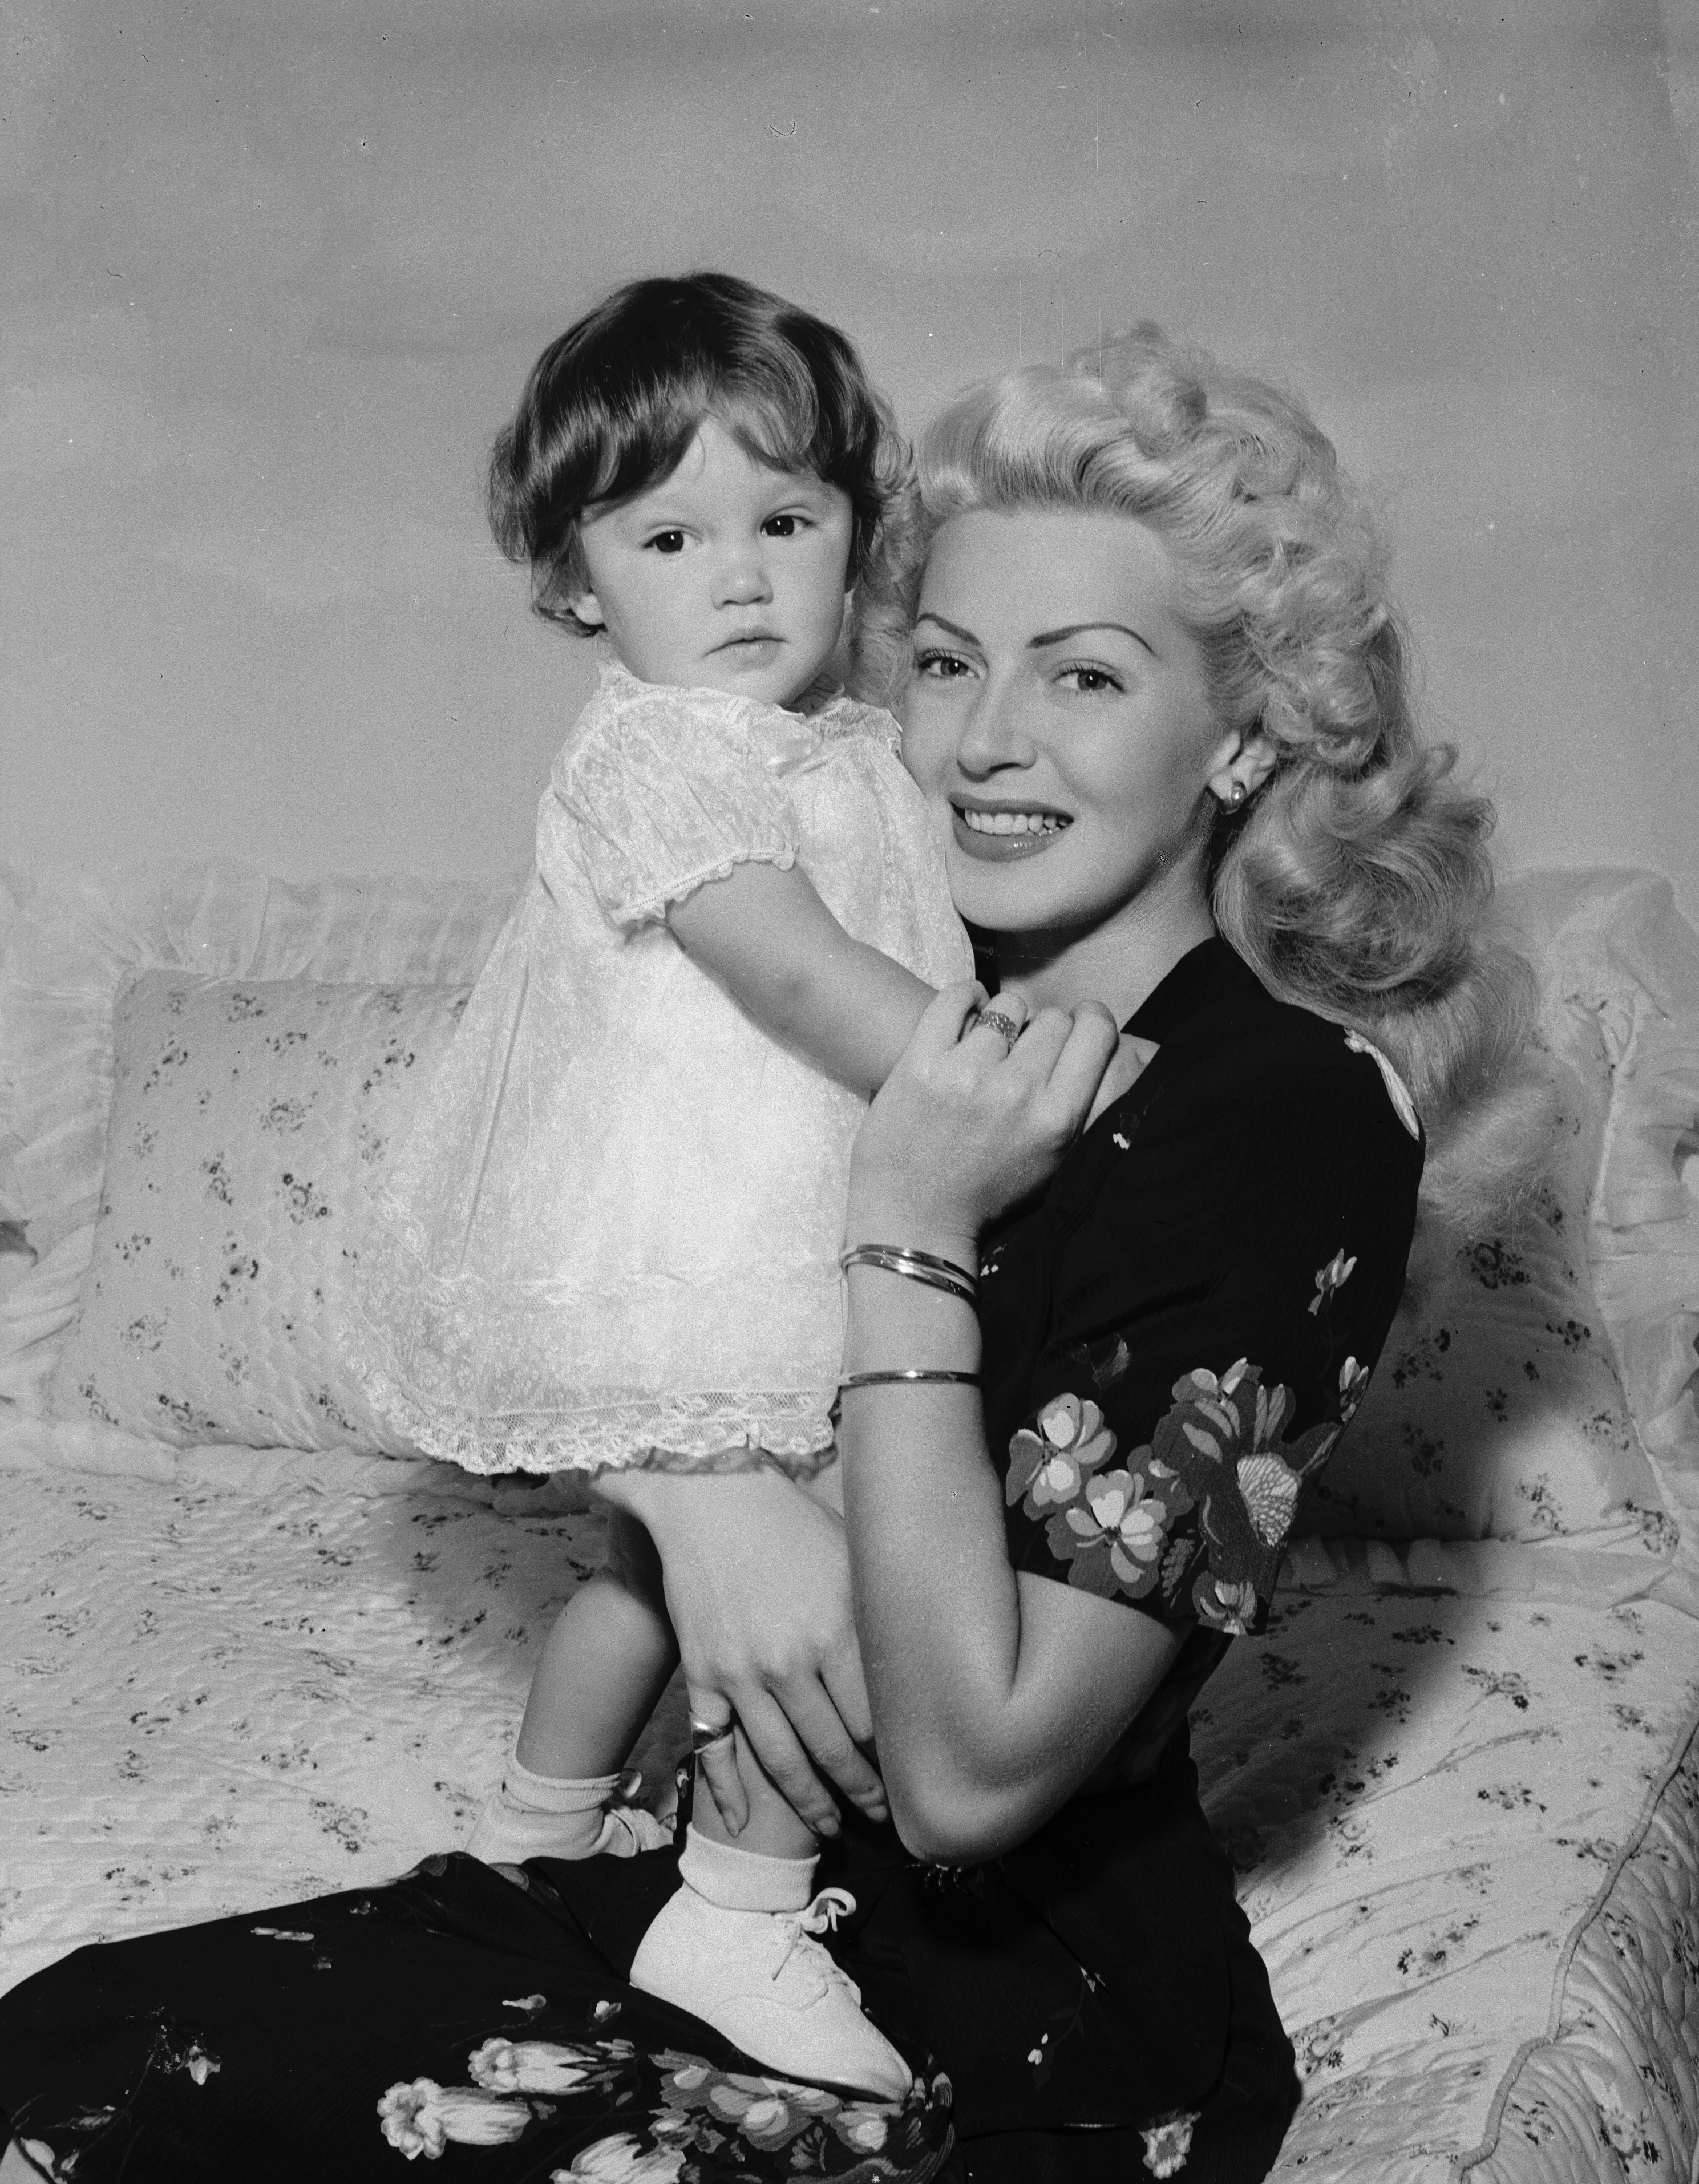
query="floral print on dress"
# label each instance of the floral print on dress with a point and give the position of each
(547, 2066)
(1167, 2143)
(1109, 1525)
(1332, 1276)
(423, 2117)
(1353, 1387)
(699, 2116)
(1219, 1452)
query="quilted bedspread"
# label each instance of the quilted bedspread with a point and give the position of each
(1462, 1793)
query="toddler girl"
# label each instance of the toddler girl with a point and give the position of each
(611, 1238)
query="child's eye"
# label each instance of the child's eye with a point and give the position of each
(666, 542)
(783, 527)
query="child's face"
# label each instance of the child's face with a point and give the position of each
(726, 576)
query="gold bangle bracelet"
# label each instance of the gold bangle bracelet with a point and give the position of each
(908, 1376)
(922, 1267)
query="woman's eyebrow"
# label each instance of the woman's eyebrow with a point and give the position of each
(955, 629)
(1079, 628)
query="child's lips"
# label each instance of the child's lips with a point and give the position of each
(758, 646)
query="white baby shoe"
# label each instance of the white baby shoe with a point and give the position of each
(763, 1982)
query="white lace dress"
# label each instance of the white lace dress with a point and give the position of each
(611, 1236)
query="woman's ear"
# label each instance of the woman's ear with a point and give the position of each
(1243, 768)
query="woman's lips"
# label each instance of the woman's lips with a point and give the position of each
(1004, 835)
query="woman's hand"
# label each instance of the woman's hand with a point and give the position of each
(966, 1126)
(1132, 1057)
(757, 1579)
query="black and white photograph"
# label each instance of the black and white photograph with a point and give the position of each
(850, 1092)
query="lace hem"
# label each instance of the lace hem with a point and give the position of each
(708, 1430)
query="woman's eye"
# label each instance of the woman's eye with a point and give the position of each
(667, 542)
(941, 666)
(1089, 681)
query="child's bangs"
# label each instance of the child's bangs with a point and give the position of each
(780, 426)
(775, 419)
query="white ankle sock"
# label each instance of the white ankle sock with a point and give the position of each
(557, 1793)
(543, 1816)
(745, 1880)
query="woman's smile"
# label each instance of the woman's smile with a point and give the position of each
(1001, 832)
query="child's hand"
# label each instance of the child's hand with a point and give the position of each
(1126, 1065)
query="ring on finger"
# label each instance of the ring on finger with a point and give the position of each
(1001, 1022)
(705, 1736)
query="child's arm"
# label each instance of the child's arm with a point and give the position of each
(766, 935)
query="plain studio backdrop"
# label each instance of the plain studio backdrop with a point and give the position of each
(275, 270)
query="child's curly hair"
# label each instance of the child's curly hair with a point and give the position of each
(1355, 881)
(611, 405)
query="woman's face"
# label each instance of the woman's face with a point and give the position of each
(1057, 722)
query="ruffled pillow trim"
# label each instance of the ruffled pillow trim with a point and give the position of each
(71, 946)
(1614, 944)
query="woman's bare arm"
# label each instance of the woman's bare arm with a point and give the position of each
(765, 933)
(995, 1694)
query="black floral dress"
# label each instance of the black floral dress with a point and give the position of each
(1175, 1335)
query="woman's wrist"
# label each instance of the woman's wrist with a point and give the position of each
(881, 1217)
(893, 1324)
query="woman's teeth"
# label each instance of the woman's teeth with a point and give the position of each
(1013, 822)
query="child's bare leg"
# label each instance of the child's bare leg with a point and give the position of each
(735, 1945)
(604, 1664)
(774, 1828)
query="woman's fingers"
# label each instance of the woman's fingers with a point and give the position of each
(720, 1772)
(1086, 1048)
(1132, 1057)
(714, 1745)
(821, 1721)
(776, 1746)
(757, 1578)
(1004, 1018)
(845, 1682)
(945, 1019)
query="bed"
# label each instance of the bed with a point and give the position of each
(252, 1650)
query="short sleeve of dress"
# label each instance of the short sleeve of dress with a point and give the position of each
(1222, 1271)
(655, 794)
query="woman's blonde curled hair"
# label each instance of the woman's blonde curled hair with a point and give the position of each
(1356, 881)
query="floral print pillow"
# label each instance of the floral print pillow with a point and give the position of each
(248, 1120)
(1496, 1411)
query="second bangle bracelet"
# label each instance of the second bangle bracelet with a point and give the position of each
(907, 1376)
(922, 1267)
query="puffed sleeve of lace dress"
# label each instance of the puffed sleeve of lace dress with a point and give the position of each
(658, 791)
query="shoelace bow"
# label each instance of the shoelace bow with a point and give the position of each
(821, 1917)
